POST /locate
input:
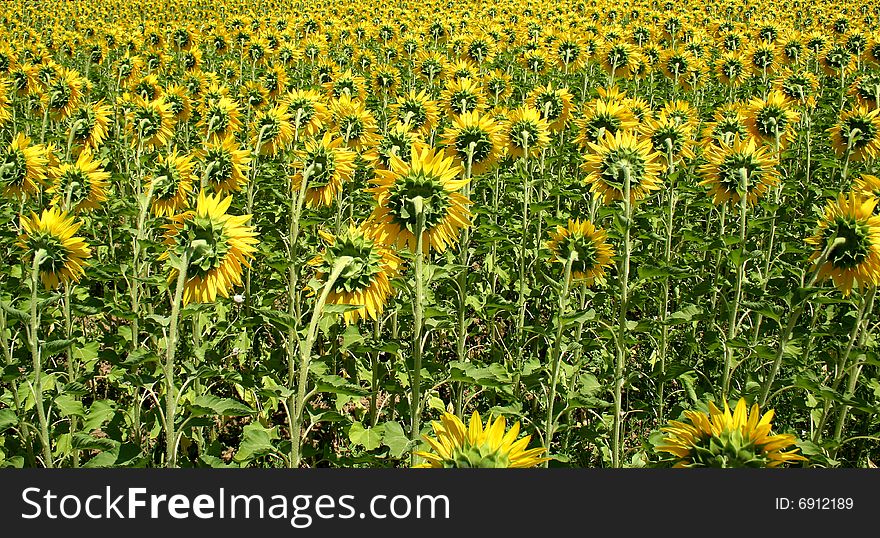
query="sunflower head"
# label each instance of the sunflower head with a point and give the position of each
(868, 186)
(586, 245)
(428, 183)
(722, 439)
(22, 167)
(217, 247)
(365, 282)
(325, 164)
(620, 159)
(171, 184)
(224, 165)
(772, 117)
(554, 105)
(847, 241)
(857, 133)
(739, 167)
(81, 186)
(473, 140)
(525, 131)
(50, 239)
(476, 446)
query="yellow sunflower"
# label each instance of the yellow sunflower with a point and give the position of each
(857, 133)
(327, 164)
(554, 105)
(80, 186)
(589, 245)
(620, 156)
(868, 185)
(478, 446)
(727, 440)
(221, 118)
(742, 163)
(62, 94)
(272, 130)
(354, 124)
(308, 111)
(604, 115)
(463, 95)
(89, 124)
(150, 123)
(417, 111)
(433, 178)
(217, 247)
(669, 138)
(852, 233)
(366, 280)
(525, 128)
(171, 184)
(51, 237)
(224, 165)
(771, 117)
(473, 139)
(22, 167)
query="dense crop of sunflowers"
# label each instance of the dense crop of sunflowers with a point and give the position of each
(276, 233)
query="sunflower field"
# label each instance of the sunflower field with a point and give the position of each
(446, 233)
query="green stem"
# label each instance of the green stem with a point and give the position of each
(418, 306)
(620, 363)
(550, 422)
(740, 274)
(170, 351)
(36, 355)
(305, 359)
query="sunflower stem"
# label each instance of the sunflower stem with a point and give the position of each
(740, 275)
(793, 319)
(620, 363)
(36, 356)
(170, 351)
(416, 378)
(305, 359)
(550, 422)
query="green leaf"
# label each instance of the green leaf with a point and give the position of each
(395, 439)
(84, 441)
(209, 404)
(256, 441)
(7, 419)
(69, 406)
(369, 438)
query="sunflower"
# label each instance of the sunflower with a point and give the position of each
(569, 52)
(680, 112)
(620, 156)
(669, 139)
(216, 245)
(22, 167)
(866, 90)
(150, 123)
(272, 131)
(498, 85)
(677, 63)
(868, 185)
(384, 80)
(224, 165)
(366, 280)
(473, 139)
(727, 440)
(433, 178)
(857, 133)
(800, 86)
(275, 81)
(355, 86)
(221, 118)
(178, 102)
(589, 245)
(417, 111)
(729, 165)
(536, 61)
(328, 164)
(617, 58)
(354, 124)
(731, 69)
(51, 237)
(397, 140)
(855, 259)
(554, 104)
(88, 125)
(147, 88)
(771, 117)
(80, 186)
(478, 446)
(605, 115)
(431, 66)
(62, 94)
(762, 58)
(525, 128)
(461, 96)
(837, 61)
(171, 184)
(308, 111)
(728, 123)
